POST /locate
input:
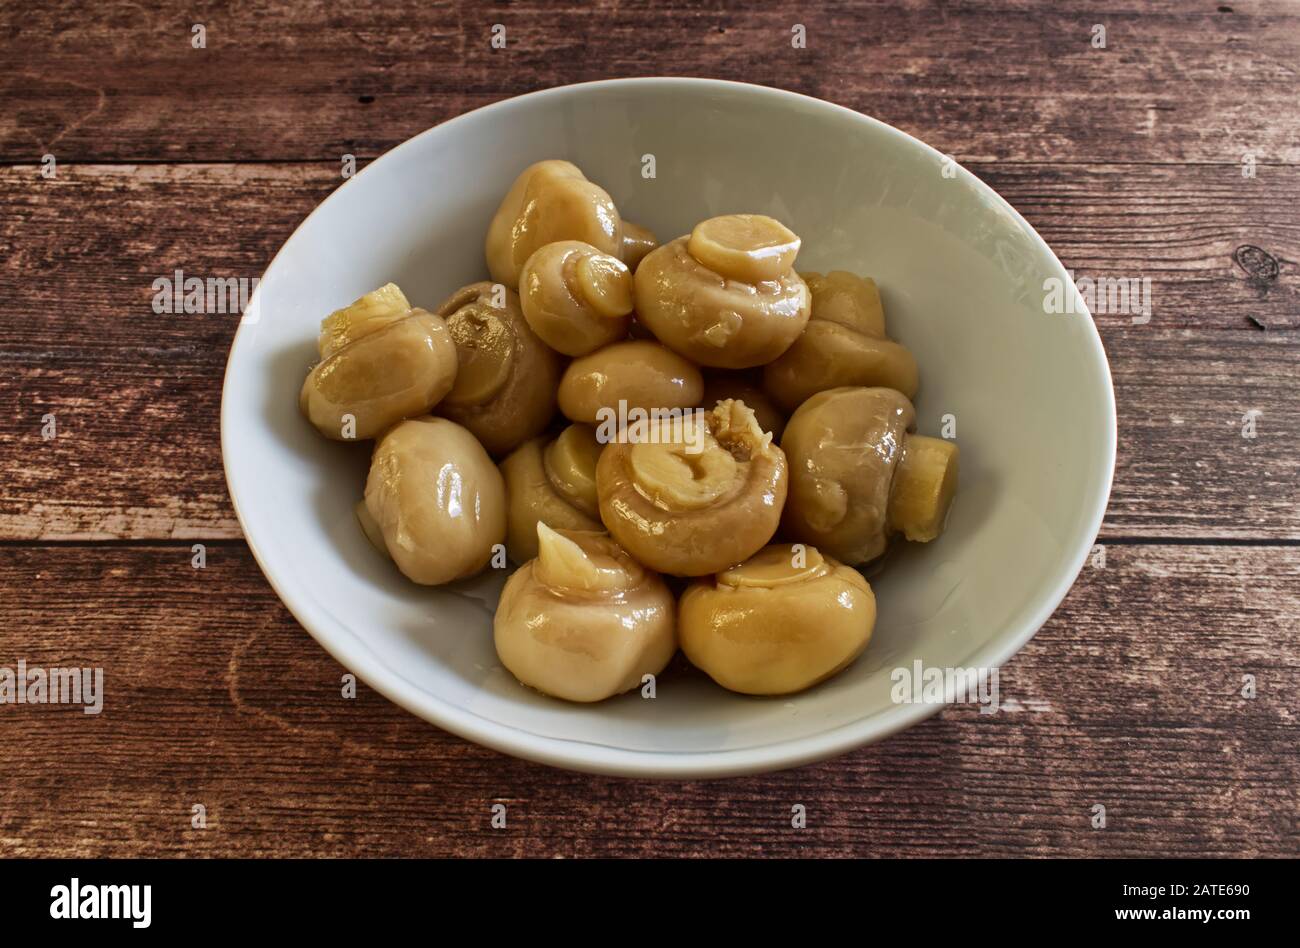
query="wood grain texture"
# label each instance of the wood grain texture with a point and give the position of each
(1127, 160)
(138, 455)
(979, 80)
(99, 235)
(137, 396)
(1129, 697)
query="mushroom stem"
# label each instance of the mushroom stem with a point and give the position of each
(605, 283)
(745, 247)
(923, 488)
(780, 564)
(671, 474)
(373, 311)
(564, 563)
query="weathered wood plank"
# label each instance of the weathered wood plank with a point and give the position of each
(1185, 466)
(1129, 698)
(136, 394)
(137, 454)
(1184, 227)
(1018, 81)
(1128, 160)
(88, 244)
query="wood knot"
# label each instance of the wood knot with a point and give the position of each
(1261, 266)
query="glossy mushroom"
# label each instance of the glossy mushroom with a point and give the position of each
(551, 482)
(857, 475)
(575, 298)
(782, 621)
(370, 528)
(505, 387)
(549, 201)
(638, 373)
(696, 496)
(400, 370)
(843, 344)
(584, 621)
(373, 311)
(437, 499)
(727, 296)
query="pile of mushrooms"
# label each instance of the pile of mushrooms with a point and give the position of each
(622, 421)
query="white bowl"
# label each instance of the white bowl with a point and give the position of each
(962, 275)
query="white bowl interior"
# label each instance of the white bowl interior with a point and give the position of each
(962, 278)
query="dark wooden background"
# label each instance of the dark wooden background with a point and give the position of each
(1127, 159)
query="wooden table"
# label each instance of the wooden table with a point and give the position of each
(1132, 160)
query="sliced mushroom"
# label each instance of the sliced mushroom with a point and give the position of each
(403, 369)
(782, 621)
(694, 496)
(726, 296)
(641, 374)
(720, 385)
(857, 476)
(437, 498)
(552, 483)
(549, 201)
(576, 298)
(843, 344)
(584, 621)
(505, 389)
(373, 311)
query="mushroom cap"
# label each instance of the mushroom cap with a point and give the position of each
(845, 298)
(713, 320)
(550, 482)
(584, 621)
(843, 344)
(402, 369)
(843, 446)
(641, 373)
(779, 622)
(437, 499)
(694, 497)
(549, 201)
(575, 298)
(370, 528)
(505, 388)
(570, 462)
